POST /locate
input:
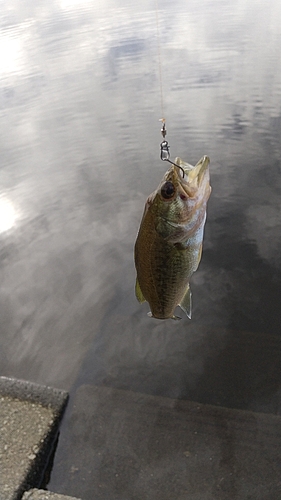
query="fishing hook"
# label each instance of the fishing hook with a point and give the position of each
(165, 153)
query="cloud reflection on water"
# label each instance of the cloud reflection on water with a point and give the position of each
(80, 107)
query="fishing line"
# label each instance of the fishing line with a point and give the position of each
(160, 67)
(164, 146)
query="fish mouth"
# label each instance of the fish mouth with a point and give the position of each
(192, 175)
(185, 180)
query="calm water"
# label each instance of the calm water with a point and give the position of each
(80, 103)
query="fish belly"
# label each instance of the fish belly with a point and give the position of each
(164, 269)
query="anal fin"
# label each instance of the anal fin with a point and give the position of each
(185, 303)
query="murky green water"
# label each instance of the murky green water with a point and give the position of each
(80, 104)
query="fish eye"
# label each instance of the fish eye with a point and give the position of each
(167, 190)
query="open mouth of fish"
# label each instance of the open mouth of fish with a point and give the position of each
(187, 178)
(193, 175)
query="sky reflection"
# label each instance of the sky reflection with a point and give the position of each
(80, 104)
(7, 214)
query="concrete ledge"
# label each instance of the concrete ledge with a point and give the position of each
(117, 444)
(29, 421)
(45, 495)
(35, 393)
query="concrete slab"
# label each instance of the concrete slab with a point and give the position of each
(35, 494)
(29, 421)
(122, 445)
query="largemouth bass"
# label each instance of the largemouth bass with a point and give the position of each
(169, 243)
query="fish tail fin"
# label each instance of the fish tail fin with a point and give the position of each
(139, 293)
(150, 315)
(185, 303)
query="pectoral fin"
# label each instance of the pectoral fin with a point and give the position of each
(139, 293)
(185, 303)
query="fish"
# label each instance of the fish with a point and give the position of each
(168, 246)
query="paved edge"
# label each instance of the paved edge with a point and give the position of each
(35, 393)
(35, 494)
(54, 399)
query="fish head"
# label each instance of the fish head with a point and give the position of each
(182, 195)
